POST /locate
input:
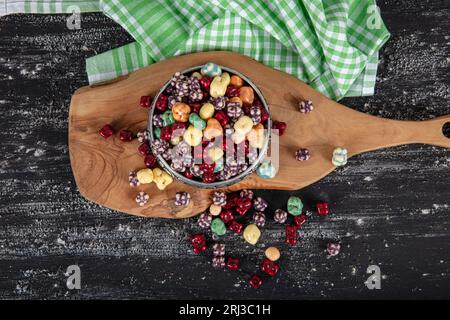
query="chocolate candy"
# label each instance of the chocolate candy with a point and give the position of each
(218, 227)
(204, 220)
(295, 206)
(259, 218)
(339, 157)
(272, 253)
(219, 249)
(182, 198)
(302, 154)
(259, 204)
(305, 106)
(133, 180)
(106, 131)
(280, 216)
(142, 198)
(251, 234)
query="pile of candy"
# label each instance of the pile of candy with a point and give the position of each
(228, 211)
(208, 125)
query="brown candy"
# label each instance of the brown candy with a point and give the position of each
(236, 81)
(247, 95)
(181, 111)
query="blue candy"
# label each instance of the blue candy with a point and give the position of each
(211, 70)
(266, 170)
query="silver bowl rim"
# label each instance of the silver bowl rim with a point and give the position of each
(218, 184)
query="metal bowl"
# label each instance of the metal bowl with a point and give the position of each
(217, 184)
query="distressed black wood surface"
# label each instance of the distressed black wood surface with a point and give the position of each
(389, 208)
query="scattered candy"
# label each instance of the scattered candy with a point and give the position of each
(266, 170)
(204, 221)
(215, 209)
(218, 249)
(280, 126)
(247, 194)
(295, 206)
(150, 161)
(125, 135)
(291, 235)
(232, 263)
(322, 208)
(280, 216)
(302, 154)
(218, 262)
(219, 198)
(106, 131)
(218, 227)
(146, 101)
(251, 234)
(339, 157)
(300, 220)
(198, 242)
(133, 180)
(243, 205)
(144, 148)
(142, 198)
(142, 136)
(226, 216)
(236, 227)
(333, 249)
(255, 281)
(145, 176)
(305, 106)
(161, 178)
(269, 267)
(259, 218)
(259, 204)
(272, 253)
(182, 198)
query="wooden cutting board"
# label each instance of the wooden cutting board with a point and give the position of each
(101, 166)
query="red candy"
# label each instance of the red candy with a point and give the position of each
(209, 177)
(207, 167)
(144, 149)
(231, 92)
(195, 107)
(198, 243)
(226, 216)
(236, 227)
(300, 220)
(166, 133)
(255, 281)
(243, 205)
(146, 101)
(291, 235)
(205, 82)
(188, 174)
(150, 161)
(322, 208)
(280, 126)
(222, 117)
(264, 114)
(107, 131)
(269, 267)
(125, 135)
(231, 201)
(161, 103)
(232, 263)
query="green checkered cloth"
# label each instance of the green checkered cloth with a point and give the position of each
(330, 44)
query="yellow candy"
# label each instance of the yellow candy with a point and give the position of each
(193, 136)
(145, 176)
(215, 210)
(215, 153)
(272, 253)
(219, 85)
(161, 178)
(237, 138)
(251, 234)
(256, 136)
(197, 75)
(206, 111)
(176, 140)
(244, 125)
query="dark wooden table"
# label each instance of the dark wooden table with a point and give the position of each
(389, 208)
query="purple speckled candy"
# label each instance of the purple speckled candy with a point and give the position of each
(133, 180)
(142, 136)
(255, 114)
(219, 198)
(195, 90)
(196, 171)
(159, 146)
(204, 220)
(182, 198)
(171, 100)
(234, 110)
(259, 204)
(158, 121)
(280, 216)
(232, 168)
(167, 155)
(247, 194)
(219, 103)
(177, 165)
(218, 262)
(259, 218)
(333, 249)
(305, 106)
(218, 249)
(142, 198)
(223, 175)
(302, 154)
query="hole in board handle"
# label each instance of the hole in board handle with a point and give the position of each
(446, 130)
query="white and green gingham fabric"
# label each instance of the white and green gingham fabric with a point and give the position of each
(330, 44)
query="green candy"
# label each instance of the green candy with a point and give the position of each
(218, 167)
(218, 227)
(157, 132)
(167, 118)
(295, 206)
(196, 121)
